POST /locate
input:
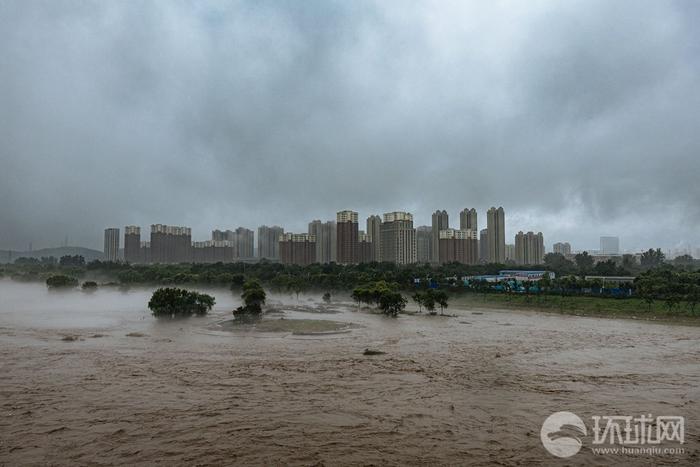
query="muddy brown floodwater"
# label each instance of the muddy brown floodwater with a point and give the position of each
(94, 379)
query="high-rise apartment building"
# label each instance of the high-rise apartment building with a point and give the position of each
(398, 238)
(441, 221)
(325, 234)
(171, 244)
(459, 246)
(562, 248)
(214, 251)
(299, 249)
(245, 243)
(424, 236)
(223, 247)
(111, 244)
(510, 252)
(241, 241)
(132, 244)
(223, 236)
(609, 245)
(496, 225)
(529, 248)
(365, 250)
(467, 220)
(374, 224)
(484, 245)
(268, 242)
(145, 252)
(347, 240)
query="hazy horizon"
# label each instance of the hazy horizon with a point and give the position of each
(579, 118)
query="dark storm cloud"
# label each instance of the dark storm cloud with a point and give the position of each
(580, 118)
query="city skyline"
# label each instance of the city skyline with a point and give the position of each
(551, 245)
(515, 223)
(341, 241)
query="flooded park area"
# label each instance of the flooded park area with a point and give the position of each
(93, 378)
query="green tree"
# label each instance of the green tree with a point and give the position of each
(545, 283)
(584, 263)
(253, 298)
(558, 263)
(237, 281)
(652, 258)
(61, 281)
(359, 294)
(429, 301)
(76, 260)
(89, 286)
(418, 298)
(692, 296)
(441, 299)
(174, 302)
(392, 303)
(298, 285)
(684, 262)
(629, 262)
(606, 268)
(130, 276)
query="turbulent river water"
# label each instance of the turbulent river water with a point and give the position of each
(94, 379)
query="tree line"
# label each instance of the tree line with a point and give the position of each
(673, 287)
(568, 275)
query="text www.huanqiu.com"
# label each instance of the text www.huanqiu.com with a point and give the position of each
(639, 451)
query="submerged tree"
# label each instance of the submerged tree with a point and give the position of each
(418, 298)
(173, 302)
(392, 303)
(431, 298)
(429, 301)
(89, 286)
(382, 294)
(253, 298)
(441, 299)
(61, 281)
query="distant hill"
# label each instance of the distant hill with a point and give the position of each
(9, 256)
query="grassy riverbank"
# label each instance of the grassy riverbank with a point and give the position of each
(630, 308)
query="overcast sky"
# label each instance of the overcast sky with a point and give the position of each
(580, 118)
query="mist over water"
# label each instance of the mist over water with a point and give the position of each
(33, 305)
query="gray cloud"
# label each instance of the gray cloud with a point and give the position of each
(580, 118)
